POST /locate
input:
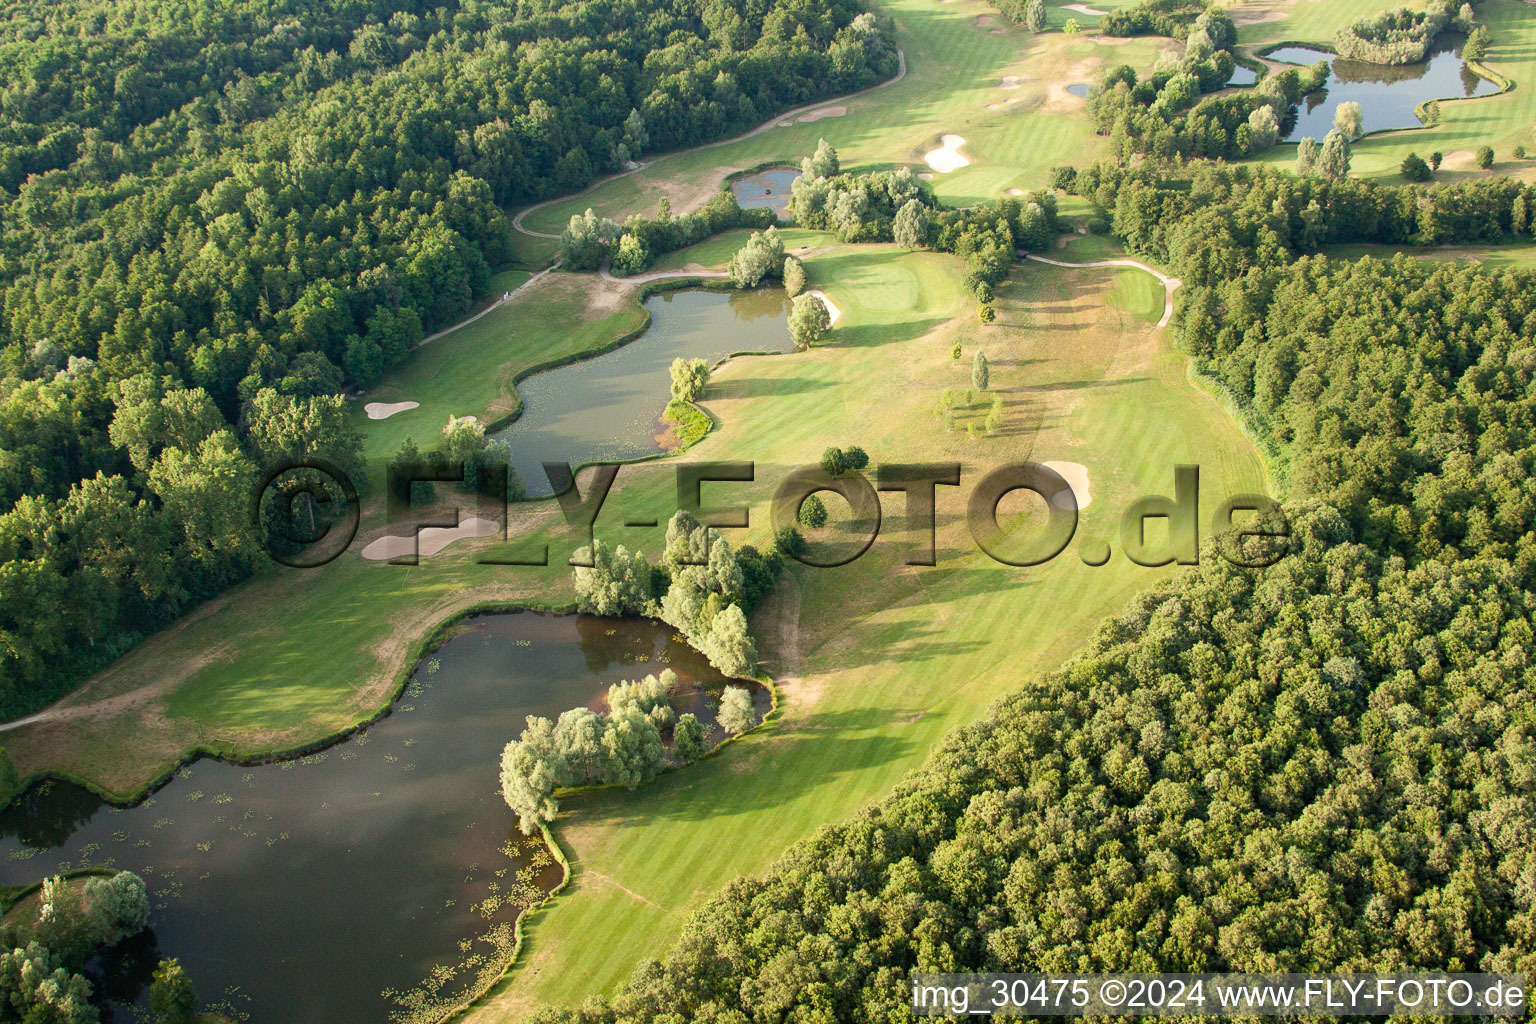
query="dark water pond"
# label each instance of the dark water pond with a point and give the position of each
(766, 190)
(607, 409)
(1388, 94)
(336, 887)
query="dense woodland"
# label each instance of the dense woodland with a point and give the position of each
(1330, 763)
(217, 217)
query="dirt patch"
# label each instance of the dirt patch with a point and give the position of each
(925, 176)
(1112, 40)
(817, 115)
(1258, 17)
(1009, 82)
(1014, 192)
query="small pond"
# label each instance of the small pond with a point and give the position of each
(1243, 75)
(1388, 94)
(608, 408)
(328, 888)
(1081, 89)
(766, 190)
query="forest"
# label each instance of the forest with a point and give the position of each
(1327, 764)
(216, 218)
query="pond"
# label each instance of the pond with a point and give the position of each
(1243, 76)
(1388, 94)
(331, 887)
(766, 189)
(608, 408)
(1081, 89)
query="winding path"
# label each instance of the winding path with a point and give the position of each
(1170, 284)
(517, 221)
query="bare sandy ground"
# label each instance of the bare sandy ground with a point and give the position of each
(432, 539)
(1076, 476)
(817, 115)
(384, 410)
(948, 156)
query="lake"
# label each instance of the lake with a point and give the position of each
(307, 889)
(608, 408)
(766, 190)
(1388, 94)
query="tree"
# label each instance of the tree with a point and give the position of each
(809, 321)
(630, 255)
(1485, 157)
(617, 583)
(688, 741)
(834, 462)
(1071, 26)
(813, 513)
(1434, 160)
(762, 257)
(1349, 118)
(1476, 46)
(981, 373)
(728, 645)
(530, 770)
(855, 458)
(172, 999)
(823, 164)
(1333, 159)
(985, 313)
(689, 376)
(118, 905)
(587, 240)
(1413, 168)
(1306, 157)
(794, 276)
(1034, 15)
(1263, 128)
(955, 353)
(736, 711)
(909, 228)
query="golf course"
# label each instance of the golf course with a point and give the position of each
(872, 663)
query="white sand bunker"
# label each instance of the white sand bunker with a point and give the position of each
(817, 115)
(786, 124)
(832, 309)
(1076, 476)
(1009, 82)
(384, 410)
(432, 539)
(1014, 192)
(948, 156)
(1084, 9)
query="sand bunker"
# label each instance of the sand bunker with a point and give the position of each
(983, 20)
(786, 124)
(1084, 9)
(817, 115)
(1460, 160)
(994, 31)
(925, 176)
(1014, 192)
(948, 156)
(1009, 82)
(384, 410)
(832, 309)
(1258, 17)
(1076, 476)
(432, 539)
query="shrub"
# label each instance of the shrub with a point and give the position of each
(1414, 168)
(813, 513)
(1485, 157)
